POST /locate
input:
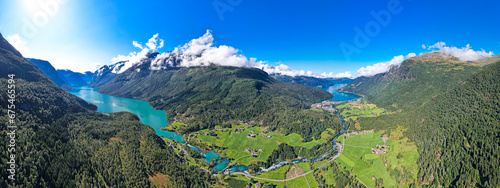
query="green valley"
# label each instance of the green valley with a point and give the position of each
(241, 142)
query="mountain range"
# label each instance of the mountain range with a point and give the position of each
(311, 81)
(76, 78)
(64, 78)
(51, 72)
(205, 96)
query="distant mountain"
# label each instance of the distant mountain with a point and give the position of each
(72, 78)
(103, 75)
(415, 81)
(339, 80)
(50, 71)
(207, 96)
(62, 142)
(87, 76)
(311, 81)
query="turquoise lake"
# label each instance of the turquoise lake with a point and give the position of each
(339, 96)
(147, 114)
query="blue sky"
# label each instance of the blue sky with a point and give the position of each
(305, 35)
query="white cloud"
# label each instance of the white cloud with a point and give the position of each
(346, 74)
(410, 55)
(137, 45)
(465, 53)
(94, 66)
(202, 52)
(283, 70)
(16, 41)
(383, 66)
(135, 57)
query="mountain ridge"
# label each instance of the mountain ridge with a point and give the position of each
(414, 81)
(50, 71)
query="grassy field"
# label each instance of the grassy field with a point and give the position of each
(407, 150)
(173, 126)
(237, 142)
(299, 182)
(319, 163)
(311, 180)
(246, 180)
(358, 158)
(305, 166)
(360, 161)
(278, 174)
(354, 110)
(317, 110)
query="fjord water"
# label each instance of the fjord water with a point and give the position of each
(147, 115)
(339, 96)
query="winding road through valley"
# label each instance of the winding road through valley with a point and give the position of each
(341, 149)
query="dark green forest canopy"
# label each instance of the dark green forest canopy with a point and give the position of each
(461, 146)
(203, 97)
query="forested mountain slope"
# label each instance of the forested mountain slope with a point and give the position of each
(73, 78)
(306, 80)
(61, 143)
(458, 133)
(207, 96)
(457, 130)
(50, 71)
(414, 82)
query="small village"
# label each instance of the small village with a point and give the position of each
(253, 135)
(325, 105)
(381, 149)
(253, 152)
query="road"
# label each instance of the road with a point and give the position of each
(341, 149)
(186, 153)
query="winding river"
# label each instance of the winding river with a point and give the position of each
(157, 119)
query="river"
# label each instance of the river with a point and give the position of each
(157, 119)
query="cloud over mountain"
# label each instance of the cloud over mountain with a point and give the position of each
(383, 66)
(15, 40)
(465, 53)
(135, 57)
(202, 52)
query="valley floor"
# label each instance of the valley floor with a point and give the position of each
(373, 158)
